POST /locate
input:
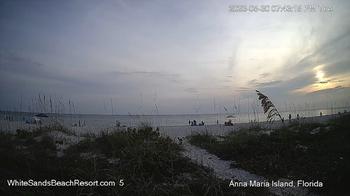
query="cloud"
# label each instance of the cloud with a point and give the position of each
(255, 83)
(26, 68)
(327, 53)
(330, 90)
(95, 51)
(298, 82)
(191, 90)
(264, 75)
(153, 77)
(339, 67)
(244, 89)
(324, 82)
(146, 74)
(234, 55)
(17, 64)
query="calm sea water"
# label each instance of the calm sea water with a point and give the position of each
(105, 121)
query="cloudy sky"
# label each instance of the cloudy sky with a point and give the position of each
(171, 57)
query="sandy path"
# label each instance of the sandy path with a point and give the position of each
(223, 170)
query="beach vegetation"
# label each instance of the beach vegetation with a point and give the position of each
(268, 107)
(307, 151)
(139, 161)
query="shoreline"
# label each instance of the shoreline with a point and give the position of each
(175, 132)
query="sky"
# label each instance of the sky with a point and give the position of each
(171, 57)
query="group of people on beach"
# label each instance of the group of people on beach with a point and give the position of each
(194, 123)
(290, 117)
(229, 123)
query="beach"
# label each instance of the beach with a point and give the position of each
(175, 132)
(179, 134)
(100, 123)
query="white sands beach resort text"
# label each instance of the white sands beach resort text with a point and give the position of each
(277, 183)
(62, 183)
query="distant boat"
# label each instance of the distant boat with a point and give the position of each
(42, 115)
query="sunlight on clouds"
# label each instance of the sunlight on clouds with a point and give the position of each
(320, 74)
(259, 54)
(324, 82)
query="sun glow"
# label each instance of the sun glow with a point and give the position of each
(320, 75)
(322, 81)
